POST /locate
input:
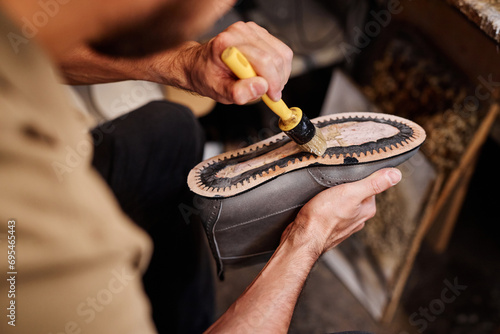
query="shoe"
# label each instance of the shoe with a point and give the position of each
(246, 198)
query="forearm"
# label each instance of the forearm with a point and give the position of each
(195, 67)
(84, 66)
(267, 304)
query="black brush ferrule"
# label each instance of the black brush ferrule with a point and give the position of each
(303, 132)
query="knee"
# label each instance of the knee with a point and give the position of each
(175, 127)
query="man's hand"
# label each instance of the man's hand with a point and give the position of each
(336, 213)
(194, 66)
(270, 58)
(267, 304)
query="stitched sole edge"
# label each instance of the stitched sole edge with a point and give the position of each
(196, 185)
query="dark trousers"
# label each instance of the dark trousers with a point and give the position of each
(145, 157)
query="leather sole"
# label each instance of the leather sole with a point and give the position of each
(352, 138)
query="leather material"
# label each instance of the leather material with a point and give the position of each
(352, 139)
(249, 196)
(247, 228)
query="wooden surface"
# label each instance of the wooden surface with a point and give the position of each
(484, 13)
(467, 159)
(441, 231)
(455, 188)
(456, 36)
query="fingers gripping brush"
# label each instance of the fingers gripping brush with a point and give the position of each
(292, 121)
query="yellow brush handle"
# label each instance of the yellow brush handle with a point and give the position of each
(241, 67)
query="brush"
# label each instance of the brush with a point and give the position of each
(293, 121)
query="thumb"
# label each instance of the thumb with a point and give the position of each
(248, 90)
(378, 182)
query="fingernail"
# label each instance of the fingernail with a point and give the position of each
(394, 176)
(276, 97)
(253, 91)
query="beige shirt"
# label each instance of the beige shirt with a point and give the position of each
(76, 260)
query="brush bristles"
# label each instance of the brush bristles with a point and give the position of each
(317, 144)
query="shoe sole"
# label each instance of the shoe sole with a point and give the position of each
(352, 138)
